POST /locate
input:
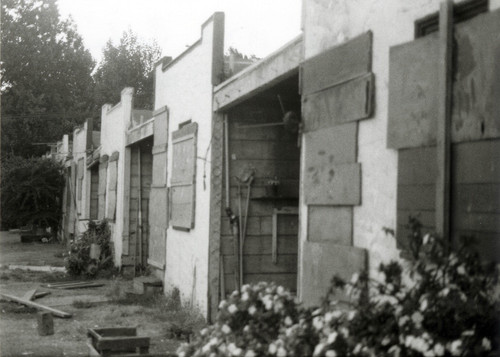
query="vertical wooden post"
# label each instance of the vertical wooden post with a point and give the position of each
(444, 118)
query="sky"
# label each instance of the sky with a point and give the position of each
(254, 27)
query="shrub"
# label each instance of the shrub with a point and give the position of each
(79, 262)
(439, 304)
(31, 191)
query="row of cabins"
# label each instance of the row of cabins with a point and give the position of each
(330, 194)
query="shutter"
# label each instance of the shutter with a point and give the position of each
(112, 186)
(103, 170)
(183, 176)
(158, 210)
(80, 174)
(337, 88)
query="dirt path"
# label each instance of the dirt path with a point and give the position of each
(12, 251)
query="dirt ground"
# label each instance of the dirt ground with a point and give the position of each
(111, 305)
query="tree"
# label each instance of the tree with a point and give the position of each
(46, 76)
(129, 64)
(31, 192)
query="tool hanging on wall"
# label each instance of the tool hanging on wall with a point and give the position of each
(247, 177)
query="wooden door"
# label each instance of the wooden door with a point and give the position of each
(158, 199)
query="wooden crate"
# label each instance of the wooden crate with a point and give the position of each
(117, 341)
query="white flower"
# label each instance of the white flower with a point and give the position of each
(444, 292)
(222, 304)
(332, 337)
(281, 351)
(336, 314)
(417, 318)
(456, 347)
(226, 329)
(280, 290)
(318, 322)
(438, 349)
(486, 344)
(213, 341)
(351, 315)
(206, 348)
(288, 321)
(278, 305)
(395, 350)
(331, 353)
(468, 333)
(237, 352)
(403, 320)
(354, 278)
(203, 332)
(357, 349)
(317, 350)
(423, 305)
(252, 310)
(409, 340)
(245, 296)
(461, 270)
(344, 331)
(232, 308)
(245, 288)
(425, 240)
(250, 353)
(181, 353)
(386, 341)
(272, 348)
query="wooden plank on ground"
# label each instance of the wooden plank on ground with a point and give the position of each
(343, 103)
(29, 295)
(339, 64)
(54, 312)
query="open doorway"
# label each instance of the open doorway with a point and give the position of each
(141, 170)
(264, 172)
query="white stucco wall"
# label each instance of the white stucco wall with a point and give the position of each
(79, 147)
(114, 123)
(185, 88)
(392, 23)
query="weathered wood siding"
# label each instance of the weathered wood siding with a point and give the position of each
(144, 185)
(270, 151)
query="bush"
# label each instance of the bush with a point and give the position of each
(439, 304)
(31, 191)
(79, 261)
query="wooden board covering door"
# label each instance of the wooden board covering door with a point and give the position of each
(158, 201)
(331, 176)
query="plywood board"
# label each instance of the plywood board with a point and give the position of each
(339, 64)
(476, 87)
(417, 166)
(331, 184)
(476, 162)
(413, 93)
(112, 186)
(182, 207)
(324, 260)
(329, 223)
(335, 144)
(342, 103)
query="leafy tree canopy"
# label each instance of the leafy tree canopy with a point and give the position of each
(31, 192)
(128, 64)
(46, 76)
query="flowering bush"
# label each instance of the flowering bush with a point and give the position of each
(438, 304)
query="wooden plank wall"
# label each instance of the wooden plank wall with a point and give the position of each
(271, 151)
(475, 193)
(145, 181)
(94, 192)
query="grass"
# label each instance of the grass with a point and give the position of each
(82, 304)
(21, 275)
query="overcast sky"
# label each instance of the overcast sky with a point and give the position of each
(255, 27)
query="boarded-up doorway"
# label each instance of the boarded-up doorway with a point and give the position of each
(141, 169)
